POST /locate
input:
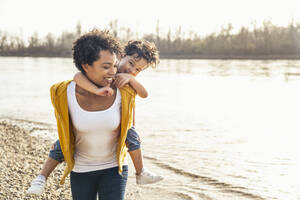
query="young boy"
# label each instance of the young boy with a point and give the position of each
(138, 56)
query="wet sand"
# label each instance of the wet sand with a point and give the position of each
(22, 154)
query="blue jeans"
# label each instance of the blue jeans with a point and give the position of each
(133, 142)
(107, 183)
(56, 152)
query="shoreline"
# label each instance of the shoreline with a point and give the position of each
(23, 154)
(192, 57)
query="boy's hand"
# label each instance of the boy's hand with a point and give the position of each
(105, 91)
(122, 79)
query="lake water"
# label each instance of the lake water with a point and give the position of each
(217, 129)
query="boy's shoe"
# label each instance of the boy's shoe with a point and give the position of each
(37, 185)
(146, 177)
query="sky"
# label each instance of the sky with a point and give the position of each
(24, 17)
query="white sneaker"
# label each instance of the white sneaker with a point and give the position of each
(147, 177)
(37, 185)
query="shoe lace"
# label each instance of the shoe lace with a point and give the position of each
(147, 173)
(38, 182)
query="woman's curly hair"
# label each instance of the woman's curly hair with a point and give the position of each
(143, 49)
(86, 48)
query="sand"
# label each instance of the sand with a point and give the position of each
(22, 154)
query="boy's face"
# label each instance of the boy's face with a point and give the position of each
(132, 65)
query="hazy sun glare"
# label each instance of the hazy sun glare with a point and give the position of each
(203, 17)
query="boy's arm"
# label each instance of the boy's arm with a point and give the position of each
(86, 84)
(124, 78)
(83, 82)
(139, 88)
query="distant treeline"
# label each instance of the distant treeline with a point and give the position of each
(264, 41)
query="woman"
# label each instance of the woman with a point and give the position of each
(92, 129)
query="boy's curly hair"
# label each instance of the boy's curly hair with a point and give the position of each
(86, 48)
(143, 49)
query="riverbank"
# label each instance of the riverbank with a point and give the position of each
(233, 57)
(23, 150)
(183, 57)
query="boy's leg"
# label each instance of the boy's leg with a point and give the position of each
(55, 157)
(48, 167)
(137, 159)
(143, 176)
(134, 148)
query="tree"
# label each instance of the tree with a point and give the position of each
(78, 29)
(114, 27)
(33, 41)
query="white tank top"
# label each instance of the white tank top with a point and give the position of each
(96, 134)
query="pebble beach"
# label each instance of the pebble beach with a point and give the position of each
(22, 154)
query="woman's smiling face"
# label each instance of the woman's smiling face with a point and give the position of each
(103, 70)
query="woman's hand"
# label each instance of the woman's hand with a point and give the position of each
(104, 91)
(122, 79)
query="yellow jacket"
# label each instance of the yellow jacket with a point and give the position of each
(64, 125)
